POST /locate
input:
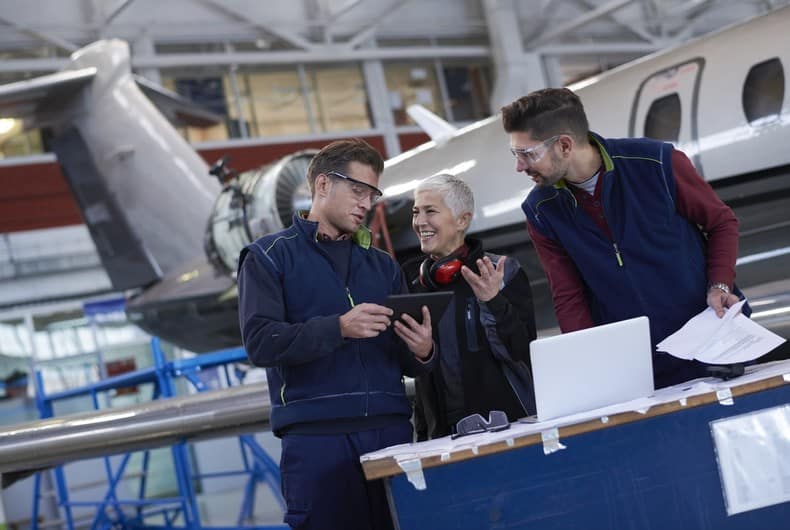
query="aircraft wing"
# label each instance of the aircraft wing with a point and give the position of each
(29, 100)
(178, 110)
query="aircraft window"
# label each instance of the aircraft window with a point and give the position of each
(763, 90)
(663, 119)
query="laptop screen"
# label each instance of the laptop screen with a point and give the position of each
(592, 368)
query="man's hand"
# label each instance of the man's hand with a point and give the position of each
(418, 337)
(365, 321)
(486, 285)
(718, 300)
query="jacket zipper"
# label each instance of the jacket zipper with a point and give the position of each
(617, 254)
(471, 329)
(614, 244)
(361, 358)
(350, 299)
(282, 389)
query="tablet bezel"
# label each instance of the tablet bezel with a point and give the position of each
(412, 303)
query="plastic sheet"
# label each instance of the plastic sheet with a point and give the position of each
(753, 453)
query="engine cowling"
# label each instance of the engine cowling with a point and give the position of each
(257, 203)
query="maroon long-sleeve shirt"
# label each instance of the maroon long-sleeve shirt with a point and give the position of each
(695, 200)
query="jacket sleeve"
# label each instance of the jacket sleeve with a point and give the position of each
(268, 338)
(514, 314)
(697, 202)
(410, 364)
(567, 289)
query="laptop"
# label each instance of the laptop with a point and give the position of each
(592, 368)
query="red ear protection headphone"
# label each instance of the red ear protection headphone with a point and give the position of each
(444, 271)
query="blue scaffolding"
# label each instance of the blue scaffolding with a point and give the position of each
(181, 511)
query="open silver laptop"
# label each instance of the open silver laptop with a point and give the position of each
(592, 368)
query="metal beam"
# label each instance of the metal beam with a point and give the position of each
(598, 12)
(52, 39)
(600, 48)
(322, 54)
(343, 10)
(33, 65)
(692, 5)
(290, 37)
(117, 11)
(640, 32)
(366, 34)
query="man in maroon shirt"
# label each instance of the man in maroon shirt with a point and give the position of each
(592, 194)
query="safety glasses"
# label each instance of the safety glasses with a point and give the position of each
(361, 190)
(475, 423)
(533, 155)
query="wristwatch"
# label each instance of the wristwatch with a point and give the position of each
(722, 286)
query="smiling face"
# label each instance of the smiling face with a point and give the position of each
(439, 231)
(538, 159)
(348, 202)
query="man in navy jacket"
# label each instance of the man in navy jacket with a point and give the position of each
(310, 312)
(623, 227)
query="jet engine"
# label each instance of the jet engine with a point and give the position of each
(256, 203)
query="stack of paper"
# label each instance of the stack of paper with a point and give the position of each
(733, 338)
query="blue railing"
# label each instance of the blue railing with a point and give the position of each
(181, 511)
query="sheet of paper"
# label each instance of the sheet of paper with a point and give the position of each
(740, 340)
(731, 339)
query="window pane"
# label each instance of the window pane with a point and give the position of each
(468, 92)
(338, 98)
(663, 119)
(763, 90)
(278, 107)
(410, 83)
(20, 143)
(209, 92)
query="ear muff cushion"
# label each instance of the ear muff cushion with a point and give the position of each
(425, 274)
(446, 271)
(434, 274)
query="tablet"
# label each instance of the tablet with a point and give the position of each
(411, 304)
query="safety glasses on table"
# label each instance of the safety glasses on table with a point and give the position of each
(475, 423)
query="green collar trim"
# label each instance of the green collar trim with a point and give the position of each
(608, 164)
(362, 237)
(607, 160)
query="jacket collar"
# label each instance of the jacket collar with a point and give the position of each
(608, 164)
(361, 237)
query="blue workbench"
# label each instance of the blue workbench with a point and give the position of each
(653, 469)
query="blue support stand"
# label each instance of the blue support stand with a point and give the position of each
(179, 512)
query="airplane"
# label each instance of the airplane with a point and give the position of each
(170, 235)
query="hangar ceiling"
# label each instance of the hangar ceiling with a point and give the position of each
(585, 36)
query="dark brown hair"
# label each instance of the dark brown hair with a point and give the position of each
(337, 155)
(545, 113)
